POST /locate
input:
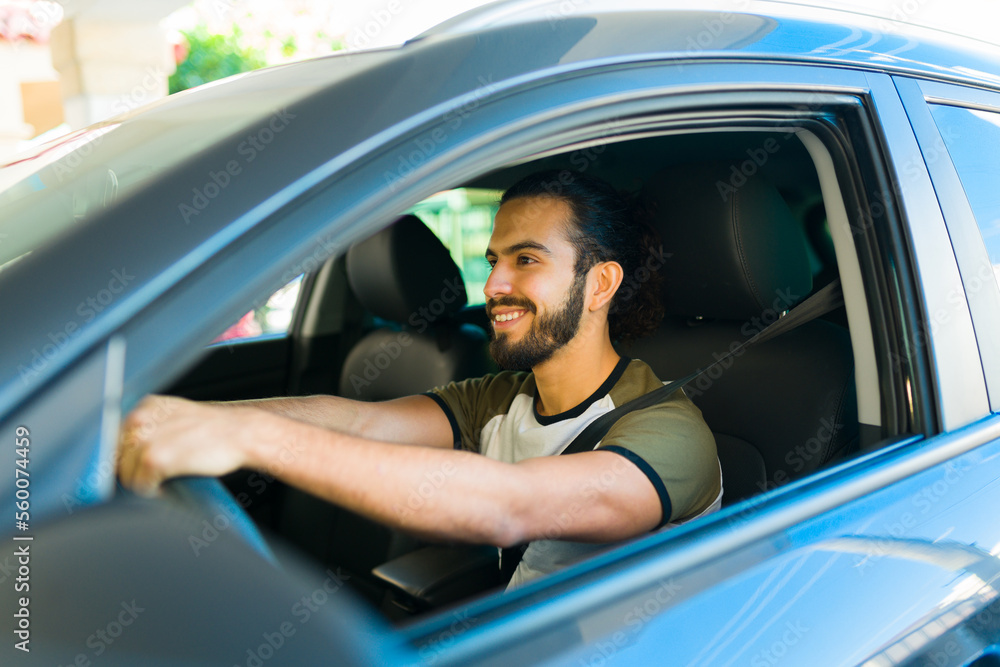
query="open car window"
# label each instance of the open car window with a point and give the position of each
(274, 318)
(463, 219)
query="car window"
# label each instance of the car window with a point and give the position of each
(274, 318)
(70, 180)
(463, 219)
(973, 141)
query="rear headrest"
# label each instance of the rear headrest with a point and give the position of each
(405, 271)
(735, 248)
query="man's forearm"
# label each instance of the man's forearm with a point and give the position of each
(411, 420)
(330, 412)
(431, 491)
(436, 493)
(457, 495)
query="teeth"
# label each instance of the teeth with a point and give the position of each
(507, 317)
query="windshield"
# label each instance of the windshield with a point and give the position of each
(66, 182)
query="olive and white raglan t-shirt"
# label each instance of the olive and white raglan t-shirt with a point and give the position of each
(497, 416)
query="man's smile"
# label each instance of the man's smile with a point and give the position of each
(500, 320)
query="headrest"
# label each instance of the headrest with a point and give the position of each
(403, 272)
(735, 250)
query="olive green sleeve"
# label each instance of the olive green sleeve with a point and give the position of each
(469, 404)
(674, 447)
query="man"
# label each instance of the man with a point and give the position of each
(560, 250)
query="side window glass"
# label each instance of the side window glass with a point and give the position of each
(274, 318)
(463, 220)
(973, 141)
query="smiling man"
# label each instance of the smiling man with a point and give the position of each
(560, 250)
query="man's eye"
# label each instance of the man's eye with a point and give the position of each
(524, 259)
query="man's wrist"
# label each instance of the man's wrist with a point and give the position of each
(258, 434)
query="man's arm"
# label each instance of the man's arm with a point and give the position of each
(441, 493)
(411, 420)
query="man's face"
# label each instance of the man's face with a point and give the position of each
(534, 299)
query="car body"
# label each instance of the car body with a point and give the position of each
(130, 246)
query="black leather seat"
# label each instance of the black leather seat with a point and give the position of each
(405, 276)
(408, 281)
(735, 261)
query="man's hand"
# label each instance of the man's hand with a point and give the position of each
(165, 437)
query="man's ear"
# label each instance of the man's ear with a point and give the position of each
(604, 280)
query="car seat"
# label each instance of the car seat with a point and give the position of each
(407, 280)
(735, 259)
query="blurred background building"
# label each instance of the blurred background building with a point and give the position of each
(69, 63)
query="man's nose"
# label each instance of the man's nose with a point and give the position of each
(498, 282)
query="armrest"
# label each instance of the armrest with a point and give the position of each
(436, 575)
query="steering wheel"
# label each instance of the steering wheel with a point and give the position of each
(209, 497)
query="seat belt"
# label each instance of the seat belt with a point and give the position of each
(829, 298)
(823, 301)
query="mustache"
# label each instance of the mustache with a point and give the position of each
(509, 302)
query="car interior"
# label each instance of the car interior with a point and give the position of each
(744, 216)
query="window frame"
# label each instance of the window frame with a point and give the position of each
(963, 228)
(539, 597)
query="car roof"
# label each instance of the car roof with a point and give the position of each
(773, 28)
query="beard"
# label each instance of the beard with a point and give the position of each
(547, 334)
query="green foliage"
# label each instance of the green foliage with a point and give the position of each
(213, 57)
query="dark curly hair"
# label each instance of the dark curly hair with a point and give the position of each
(607, 226)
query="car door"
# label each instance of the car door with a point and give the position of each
(885, 535)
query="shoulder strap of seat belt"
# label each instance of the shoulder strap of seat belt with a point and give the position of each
(829, 298)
